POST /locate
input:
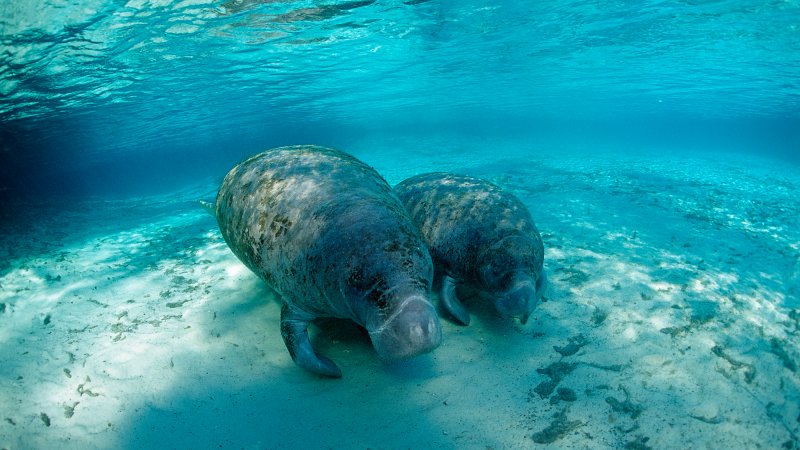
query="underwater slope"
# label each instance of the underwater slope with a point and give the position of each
(671, 322)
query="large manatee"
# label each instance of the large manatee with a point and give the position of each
(328, 234)
(478, 235)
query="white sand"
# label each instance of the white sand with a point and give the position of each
(671, 322)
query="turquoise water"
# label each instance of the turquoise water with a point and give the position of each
(198, 84)
(655, 143)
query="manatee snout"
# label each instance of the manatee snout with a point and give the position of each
(412, 330)
(522, 297)
(519, 300)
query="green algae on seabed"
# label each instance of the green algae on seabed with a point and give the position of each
(556, 371)
(703, 311)
(638, 444)
(177, 304)
(626, 406)
(575, 344)
(557, 429)
(82, 390)
(749, 369)
(563, 395)
(69, 410)
(777, 348)
(573, 276)
(676, 331)
(599, 316)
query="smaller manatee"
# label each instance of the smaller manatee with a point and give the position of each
(480, 236)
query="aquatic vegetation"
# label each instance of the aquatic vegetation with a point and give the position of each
(625, 406)
(563, 395)
(639, 443)
(559, 427)
(575, 344)
(572, 275)
(69, 410)
(778, 348)
(556, 372)
(748, 370)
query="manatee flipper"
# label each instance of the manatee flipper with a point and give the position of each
(542, 283)
(294, 330)
(209, 207)
(451, 302)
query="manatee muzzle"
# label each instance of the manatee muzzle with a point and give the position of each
(519, 300)
(411, 330)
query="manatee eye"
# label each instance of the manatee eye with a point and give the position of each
(495, 277)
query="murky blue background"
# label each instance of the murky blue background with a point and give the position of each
(126, 97)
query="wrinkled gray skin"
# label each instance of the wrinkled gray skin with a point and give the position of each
(480, 236)
(327, 233)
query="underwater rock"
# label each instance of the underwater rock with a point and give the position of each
(479, 236)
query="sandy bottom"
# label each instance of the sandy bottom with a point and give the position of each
(671, 322)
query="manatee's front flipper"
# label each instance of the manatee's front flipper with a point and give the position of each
(294, 329)
(209, 207)
(542, 283)
(451, 302)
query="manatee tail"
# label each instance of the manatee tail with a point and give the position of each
(209, 207)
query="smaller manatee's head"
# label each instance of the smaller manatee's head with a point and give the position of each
(410, 329)
(510, 273)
